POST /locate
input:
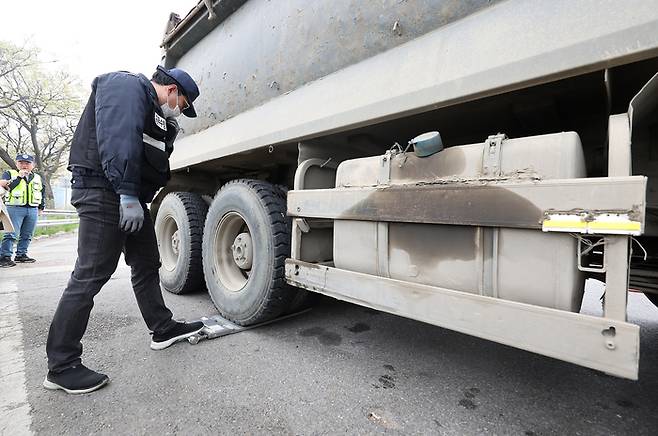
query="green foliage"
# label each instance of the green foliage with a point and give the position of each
(51, 230)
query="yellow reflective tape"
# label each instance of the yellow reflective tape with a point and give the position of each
(608, 225)
(565, 224)
(598, 226)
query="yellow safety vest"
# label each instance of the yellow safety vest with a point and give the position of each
(25, 193)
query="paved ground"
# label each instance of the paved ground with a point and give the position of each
(337, 369)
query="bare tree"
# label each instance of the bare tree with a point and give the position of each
(13, 58)
(38, 111)
(12, 140)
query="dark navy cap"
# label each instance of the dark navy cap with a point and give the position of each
(187, 86)
(24, 158)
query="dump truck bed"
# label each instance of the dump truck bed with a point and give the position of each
(484, 51)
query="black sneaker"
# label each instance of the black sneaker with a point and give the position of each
(6, 262)
(177, 333)
(22, 258)
(76, 380)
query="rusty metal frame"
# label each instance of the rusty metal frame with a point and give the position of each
(604, 344)
(505, 204)
(607, 343)
(617, 248)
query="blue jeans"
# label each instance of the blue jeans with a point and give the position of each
(24, 220)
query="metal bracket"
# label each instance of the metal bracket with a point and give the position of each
(491, 155)
(300, 225)
(491, 158)
(488, 261)
(211, 11)
(617, 248)
(619, 145)
(303, 225)
(384, 178)
(582, 252)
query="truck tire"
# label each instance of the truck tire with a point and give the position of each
(246, 242)
(179, 230)
(303, 299)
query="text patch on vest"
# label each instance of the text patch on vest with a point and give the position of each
(160, 121)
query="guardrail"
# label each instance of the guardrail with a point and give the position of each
(70, 217)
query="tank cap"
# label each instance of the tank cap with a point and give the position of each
(427, 144)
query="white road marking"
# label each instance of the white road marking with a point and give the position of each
(15, 418)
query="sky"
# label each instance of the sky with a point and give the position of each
(91, 37)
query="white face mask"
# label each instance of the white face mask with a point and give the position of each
(168, 112)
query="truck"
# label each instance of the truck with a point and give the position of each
(467, 164)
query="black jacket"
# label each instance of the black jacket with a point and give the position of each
(122, 142)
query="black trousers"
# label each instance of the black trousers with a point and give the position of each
(100, 243)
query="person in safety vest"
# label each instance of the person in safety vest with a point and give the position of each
(25, 201)
(119, 159)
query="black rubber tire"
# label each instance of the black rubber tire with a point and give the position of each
(303, 299)
(188, 211)
(652, 297)
(265, 295)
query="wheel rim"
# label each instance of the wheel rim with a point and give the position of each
(169, 243)
(233, 251)
(242, 251)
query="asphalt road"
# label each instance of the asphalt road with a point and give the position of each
(338, 369)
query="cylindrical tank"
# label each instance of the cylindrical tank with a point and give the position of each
(523, 265)
(267, 48)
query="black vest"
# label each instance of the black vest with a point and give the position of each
(85, 163)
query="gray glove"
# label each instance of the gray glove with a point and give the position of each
(131, 214)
